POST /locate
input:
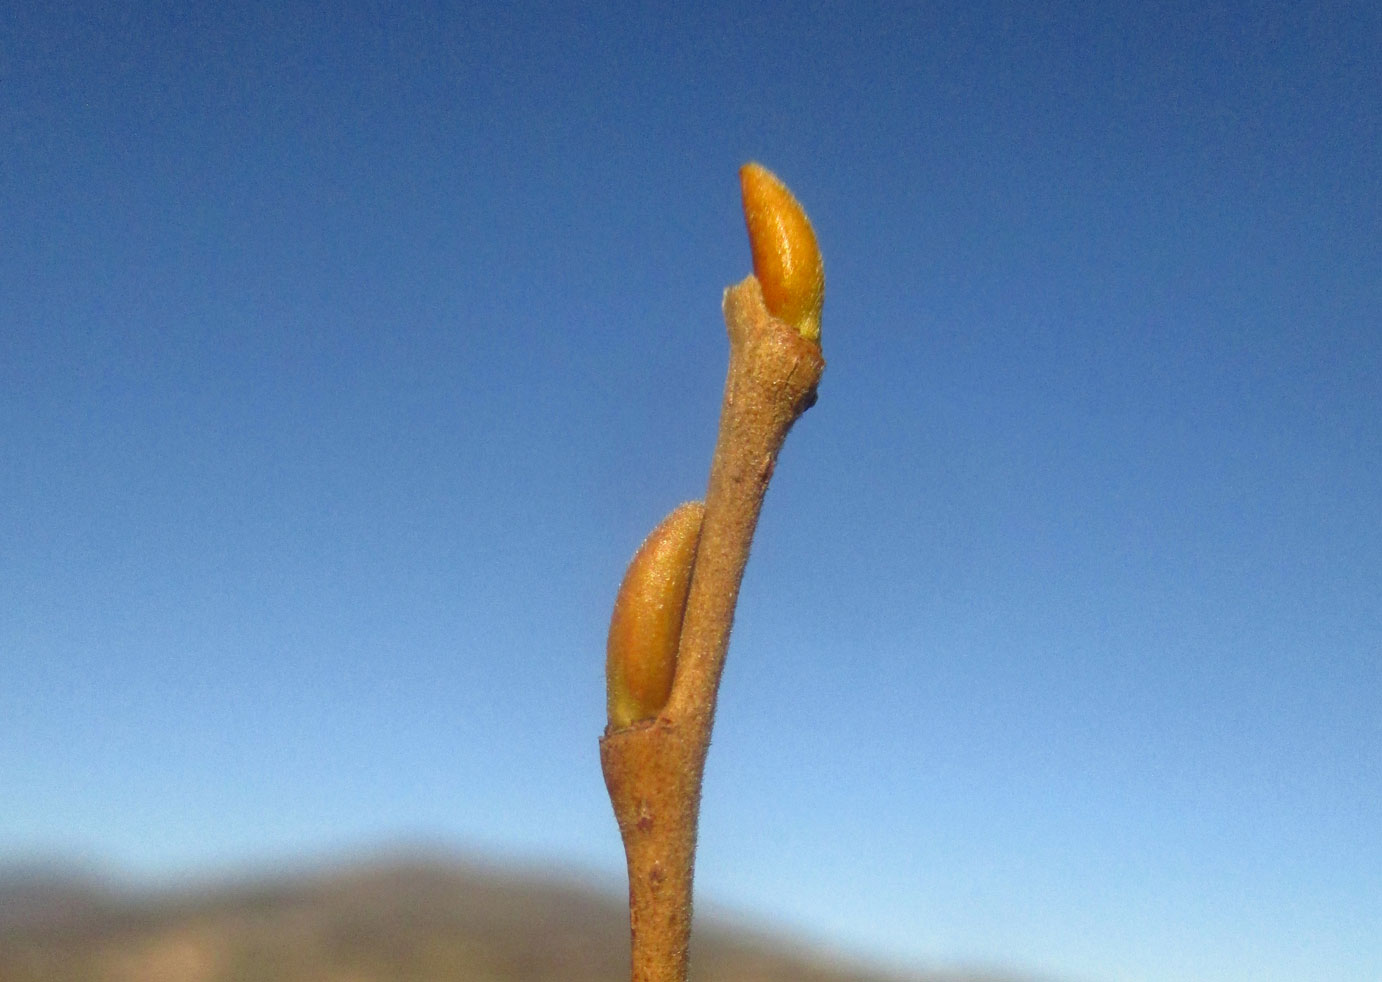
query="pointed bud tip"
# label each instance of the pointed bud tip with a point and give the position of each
(641, 653)
(786, 258)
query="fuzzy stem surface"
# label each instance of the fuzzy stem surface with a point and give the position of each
(654, 769)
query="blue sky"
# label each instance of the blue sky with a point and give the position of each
(348, 352)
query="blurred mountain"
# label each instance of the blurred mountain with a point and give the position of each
(400, 920)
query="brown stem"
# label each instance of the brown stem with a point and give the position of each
(653, 769)
(653, 773)
(773, 373)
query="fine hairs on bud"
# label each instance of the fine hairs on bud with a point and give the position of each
(641, 653)
(786, 259)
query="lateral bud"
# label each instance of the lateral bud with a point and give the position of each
(645, 629)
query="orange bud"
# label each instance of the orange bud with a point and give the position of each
(786, 259)
(641, 654)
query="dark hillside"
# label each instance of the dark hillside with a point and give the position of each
(415, 920)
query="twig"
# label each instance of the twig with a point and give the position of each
(653, 768)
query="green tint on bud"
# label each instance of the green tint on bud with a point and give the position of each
(641, 654)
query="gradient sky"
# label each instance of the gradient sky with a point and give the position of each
(347, 352)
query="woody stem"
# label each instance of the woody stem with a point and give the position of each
(653, 769)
